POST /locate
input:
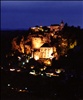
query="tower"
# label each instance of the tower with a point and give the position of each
(61, 25)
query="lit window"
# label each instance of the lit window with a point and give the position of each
(27, 60)
(8, 84)
(23, 63)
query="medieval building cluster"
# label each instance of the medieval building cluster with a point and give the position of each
(39, 42)
(41, 47)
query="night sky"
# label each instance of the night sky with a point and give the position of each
(25, 14)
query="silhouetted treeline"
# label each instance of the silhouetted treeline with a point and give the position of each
(74, 32)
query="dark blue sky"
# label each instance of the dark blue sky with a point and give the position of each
(24, 14)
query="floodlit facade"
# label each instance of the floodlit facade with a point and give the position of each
(43, 52)
(39, 36)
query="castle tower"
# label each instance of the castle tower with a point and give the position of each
(61, 25)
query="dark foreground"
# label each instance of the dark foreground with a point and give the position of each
(40, 87)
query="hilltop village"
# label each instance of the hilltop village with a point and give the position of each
(43, 43)
(42, 57)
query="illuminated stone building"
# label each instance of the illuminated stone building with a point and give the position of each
(39, 50)
(36, 41)
(56, 27)
(52, 27)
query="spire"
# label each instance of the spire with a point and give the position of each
(61, 24)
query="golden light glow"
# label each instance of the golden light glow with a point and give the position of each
(41, 69)
(58, 71)
(72, 45)
(32, 67)
(19, 47)
(45, 67)
(46, 52)
(47, 62)
(75, 43)
(36, 57)
(20, 90)
(36, 42)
